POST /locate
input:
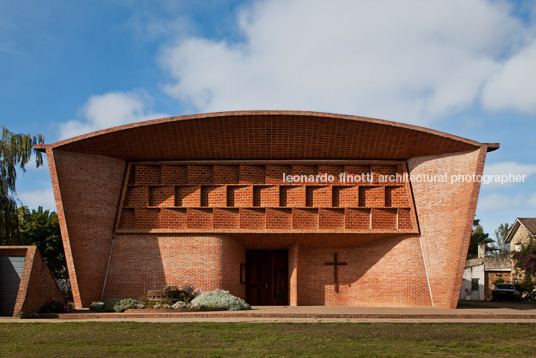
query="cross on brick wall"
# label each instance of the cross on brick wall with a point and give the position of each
(335, 265)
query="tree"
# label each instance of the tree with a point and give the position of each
(502, 248)
(478, 236)
(15, 151)
(525, 263)
(41, 228)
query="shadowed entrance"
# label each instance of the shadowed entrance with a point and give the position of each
(267, 277)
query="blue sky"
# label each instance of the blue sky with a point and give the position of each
(466, 67)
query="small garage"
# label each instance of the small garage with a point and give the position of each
(11, 268)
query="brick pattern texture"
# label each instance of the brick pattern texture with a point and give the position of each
(180, 200)
(149, 262)
(445, 212)
(259, 135)
(383, 273)
(87, 189)
(209, 194)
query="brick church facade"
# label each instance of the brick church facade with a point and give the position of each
(279, 208)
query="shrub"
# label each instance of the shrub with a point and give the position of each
(162, 305)
(116, 305)
(109, 304)
(180, 304)
(55, 306)
(106, 306)
(188, 289)
(126, 304)
(499, 280)
(526, 286)
(97, 306)
(185, 296)
(220, 299)
(171, 292)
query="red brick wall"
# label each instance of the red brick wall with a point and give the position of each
(492, 276)
(248, 205)
(252, 174)
(358, 218)
(150, 262)
(163, 202)
(187, 196)
(147, 174)
(279, 219)
(252, 218)
(294, 275)
(87, 189)
(344, 196)
(388, 272)
(315, 204)
(292, 196)
(199, 218)
(201, 174)
(305, 218)
(136, 197)
(331, 219)
(161, 196)
(274, 173)
(226, 174)
(266, 196)
(233, 255)
(384, 219)
(446, 213)
(173, 174)
(228, 217)
(42, 287)
(175, 217)
(241, 196)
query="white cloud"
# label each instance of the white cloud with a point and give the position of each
(500, 201)
(532, 200)
(509, 169)
(513, 87)
(411, 61)
(109, 110)
(36, 198)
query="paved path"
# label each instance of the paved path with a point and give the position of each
(474, 313)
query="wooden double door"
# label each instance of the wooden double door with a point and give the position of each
(267, 277)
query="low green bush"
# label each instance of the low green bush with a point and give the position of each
(185, 294)
(109, 304)
(180, 305)
(127, 303)
(499, 280)
(97, 307)
(220, 299)
(106, 306)
(116, 305)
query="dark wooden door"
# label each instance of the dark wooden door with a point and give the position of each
(267, 277)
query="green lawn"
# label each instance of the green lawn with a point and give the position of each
(264, 340)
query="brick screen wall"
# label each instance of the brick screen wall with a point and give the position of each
(256, 198)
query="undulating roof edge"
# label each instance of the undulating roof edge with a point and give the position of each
(266, 113)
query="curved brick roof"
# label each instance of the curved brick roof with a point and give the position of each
(266, 135)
